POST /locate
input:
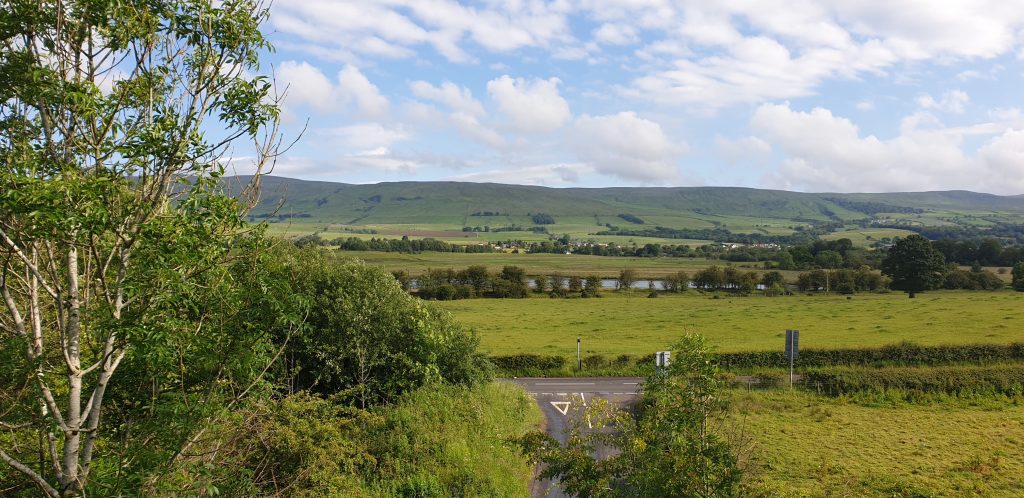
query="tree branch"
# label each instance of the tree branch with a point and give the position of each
(44, 486)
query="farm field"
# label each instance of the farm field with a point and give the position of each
(863, 237)
(620, 324)
(807, 445)
(454, 234)
(542, 264)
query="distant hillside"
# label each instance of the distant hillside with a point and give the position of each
(453, 205)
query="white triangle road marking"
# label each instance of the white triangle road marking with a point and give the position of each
(561, 406)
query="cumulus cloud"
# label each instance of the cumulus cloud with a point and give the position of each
(626, 146)
(825, 152)
(365, 135)
(709, 53)
(548, 174)
(308, 86)
(469, 126)
(393, 28)
(367, 97)
(953, 101)
(456, 97)
(615, 34)
(531, 106)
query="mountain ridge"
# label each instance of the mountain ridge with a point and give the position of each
(455, 205)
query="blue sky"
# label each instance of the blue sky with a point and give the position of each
(843, 95)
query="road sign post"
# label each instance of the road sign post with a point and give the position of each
(579, 360)
(661, 359)
(792, 349)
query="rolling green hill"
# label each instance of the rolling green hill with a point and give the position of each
(450, 206)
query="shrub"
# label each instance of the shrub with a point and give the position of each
(594, 361)
(957, 380)
(905, 354)
(528, 361)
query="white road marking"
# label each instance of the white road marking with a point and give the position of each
(587, 412)
(561, 406)
(565, 383)
(630, 383)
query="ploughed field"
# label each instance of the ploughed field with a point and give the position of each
(621, 323)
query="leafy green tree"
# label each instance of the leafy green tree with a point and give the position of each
(768, 279)
(477, 277)
(711, 278)
(626, 279)
(511, 282)
(673, 447)
(112, 214)
(1018, 276)
(540, 284)
(575, 284)
(369, 341)
(914, 265)
(592, 287)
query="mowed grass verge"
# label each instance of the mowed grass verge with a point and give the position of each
(806, 445)
(634, 324)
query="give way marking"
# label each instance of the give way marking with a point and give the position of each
(561, 406)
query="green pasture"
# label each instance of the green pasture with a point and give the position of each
(542, 264)
(863, 237)
(806, 445)
(453, 232)
(635, 324)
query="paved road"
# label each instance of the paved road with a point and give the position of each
(558, 398)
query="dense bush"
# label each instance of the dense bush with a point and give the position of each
(841, 281)
(404, 245)
(905, 354)
(972, 280)
(474, 281)
(542, 219)
(527, 361)
(365, 336)
(436, 442)
(958, 380)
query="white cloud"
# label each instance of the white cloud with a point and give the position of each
(354, 86)
(469, 126)
(305, 85)
(391, 28)
(865, 105)
(1003, 158)
(365, 135)
(549, 174)
(827, 153)
(953, 101)
(308, 86)
(458, 98)
(746, 52)
(532, 106)
(615, 34)
(626, 146)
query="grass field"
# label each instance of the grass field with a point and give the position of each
(453, 233)
(542, 264)
(617, 324)
(806, 445)
(862, 237)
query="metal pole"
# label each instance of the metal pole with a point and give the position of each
(791, 369)
(579, 360)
